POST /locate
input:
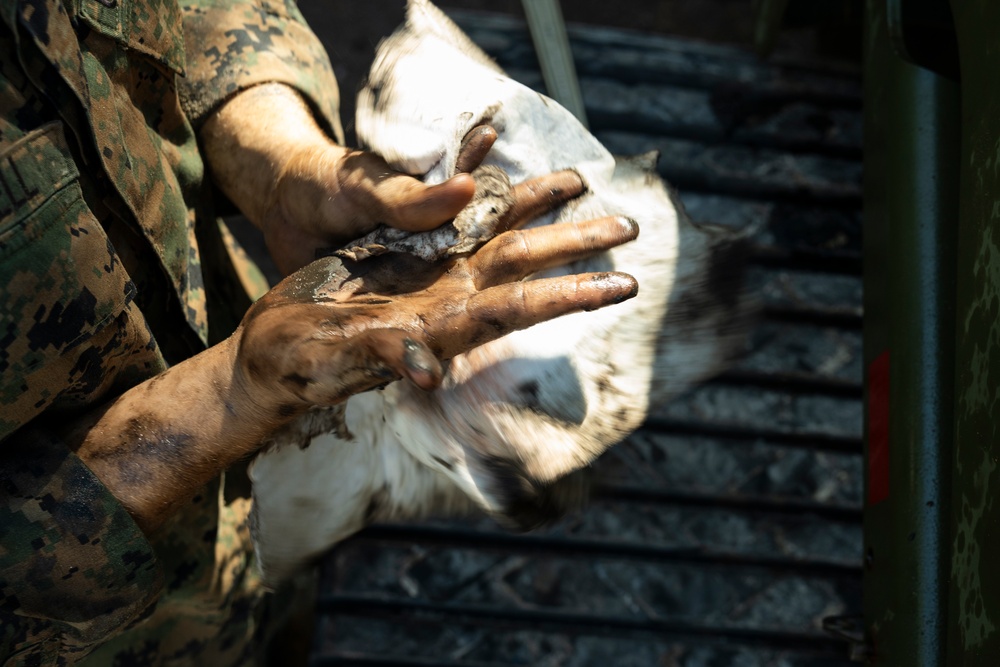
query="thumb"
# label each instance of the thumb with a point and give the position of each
(383, 195)
(340, 368)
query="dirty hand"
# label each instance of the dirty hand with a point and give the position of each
(333, 329)
(336, 327)
(306, 193)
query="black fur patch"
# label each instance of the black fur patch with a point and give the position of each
(726, 270)
(528, 504)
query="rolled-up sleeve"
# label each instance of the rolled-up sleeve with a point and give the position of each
(74, 567)
(231, 45)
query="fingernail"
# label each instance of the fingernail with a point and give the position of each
(463, 185)
(617, 282)
(631, 226)
(633, 290)
(418, 357)
(483, 131)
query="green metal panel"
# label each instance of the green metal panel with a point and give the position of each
(911, 200)
(923, 33)
(974, 586)
(878, 611)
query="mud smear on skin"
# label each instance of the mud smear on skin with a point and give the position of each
(480, 221)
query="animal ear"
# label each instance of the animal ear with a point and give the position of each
(643, 161)
(423, 18)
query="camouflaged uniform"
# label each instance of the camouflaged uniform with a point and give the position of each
(112, 267)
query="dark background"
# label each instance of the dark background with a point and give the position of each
(351, 30)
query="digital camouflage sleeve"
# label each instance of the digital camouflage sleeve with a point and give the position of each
(112, 267)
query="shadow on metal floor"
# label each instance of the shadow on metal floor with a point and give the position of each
(729, 526)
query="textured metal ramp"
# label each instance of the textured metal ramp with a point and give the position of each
(727, 528)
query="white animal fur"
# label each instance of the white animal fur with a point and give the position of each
(542, 402)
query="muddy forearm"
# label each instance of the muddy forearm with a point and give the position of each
(161, 441)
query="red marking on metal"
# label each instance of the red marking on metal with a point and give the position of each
(878, 429)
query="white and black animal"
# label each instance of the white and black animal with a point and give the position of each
(516, 418)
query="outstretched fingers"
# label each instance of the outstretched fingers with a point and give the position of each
(540, 195)
(516, 254)
(533, 197)
(500, 310)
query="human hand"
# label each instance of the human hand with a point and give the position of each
(331, 330)
(306, 193)
(336, 328)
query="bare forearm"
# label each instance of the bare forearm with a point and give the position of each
(249, 142)
(267, 153)
(161, 441)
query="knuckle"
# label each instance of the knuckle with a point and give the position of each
(520, 246)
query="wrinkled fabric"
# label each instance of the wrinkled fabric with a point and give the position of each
(113, 266)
